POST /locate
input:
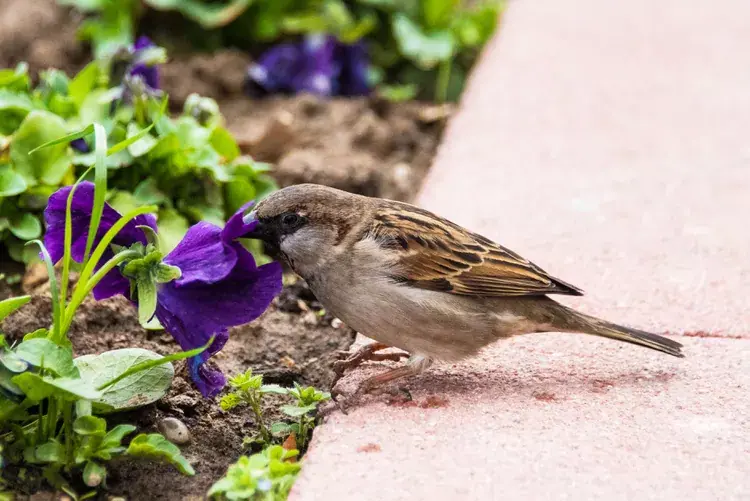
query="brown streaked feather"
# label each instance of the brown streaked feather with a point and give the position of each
(438, 255)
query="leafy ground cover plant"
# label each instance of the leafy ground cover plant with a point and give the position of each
(189, 167)
(410, 47)
(50, 402)
(267, 475)
(270, 473)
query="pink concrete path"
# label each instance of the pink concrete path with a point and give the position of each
(609, 142)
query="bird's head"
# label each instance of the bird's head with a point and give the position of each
(304, 223)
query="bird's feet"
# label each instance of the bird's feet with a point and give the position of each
(366, 353)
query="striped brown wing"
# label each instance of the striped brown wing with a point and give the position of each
(439, 255)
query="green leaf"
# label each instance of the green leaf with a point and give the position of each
(51, 452)
(64, 139)
(100, 186)
(425, 49)
(16, 79)
(83, 83)
(49, 165)
(146, 289)
(38, 388)
(224, 143)
(132, 391)
(172, 227)
(8, 306)
(438, 13)
(7, 387)
(14, 107)
(57, 304)
(148, 193)
(275, 389)
(208, 15)
(281, 428)
(295, 411)
(11, 182)
(398, 93)
(26, 226)
(155, 446)
(114, 437)
(43, 352)
(12, 362)
(94, 474)
(37, 334)
(138, 142)
(90, 425)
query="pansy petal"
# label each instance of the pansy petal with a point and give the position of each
(149, 74)
(80, 145)
(353, 79)
(111, 284)
(318, 70)
(143, 42)
(80, 211)
(275, 70)
(239, 298)
(202, 256)
(236, 227)
(209, 381)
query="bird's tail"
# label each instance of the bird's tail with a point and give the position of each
(599, 327)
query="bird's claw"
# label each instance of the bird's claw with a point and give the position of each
(366, 353)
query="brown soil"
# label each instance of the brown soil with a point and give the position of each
(289, 343)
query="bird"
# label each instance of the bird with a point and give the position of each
(410, 279)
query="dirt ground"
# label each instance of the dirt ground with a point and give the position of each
(289, 343)
(364, 145)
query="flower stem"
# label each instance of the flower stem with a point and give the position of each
(51, 419)
(84, 288)
(443, 81)
(255, 405)
(68, 427)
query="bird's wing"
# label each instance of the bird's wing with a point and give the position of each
(435, 254)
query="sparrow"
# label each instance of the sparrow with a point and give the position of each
(410, 279)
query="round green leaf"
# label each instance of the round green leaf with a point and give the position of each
(26, 227)
(11, 182)
(90, 425)
(133, 391)
(155, 446)
(48, 165)
(425, 49)
(38, 388)
(43, 352)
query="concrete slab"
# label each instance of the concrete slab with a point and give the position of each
(548, 416)
(607, 142)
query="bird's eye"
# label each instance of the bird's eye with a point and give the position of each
(290, 220)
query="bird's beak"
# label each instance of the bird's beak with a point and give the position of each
(259, 230)
(250, 217)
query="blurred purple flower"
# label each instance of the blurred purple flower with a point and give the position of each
(319, 64)
(148, 72)
(220, 285)
(80, 145)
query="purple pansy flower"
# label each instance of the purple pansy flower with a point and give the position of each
(319, 64)
(220, 285)
(80, 145)
(148, 72)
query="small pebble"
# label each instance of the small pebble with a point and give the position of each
(174, 430)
